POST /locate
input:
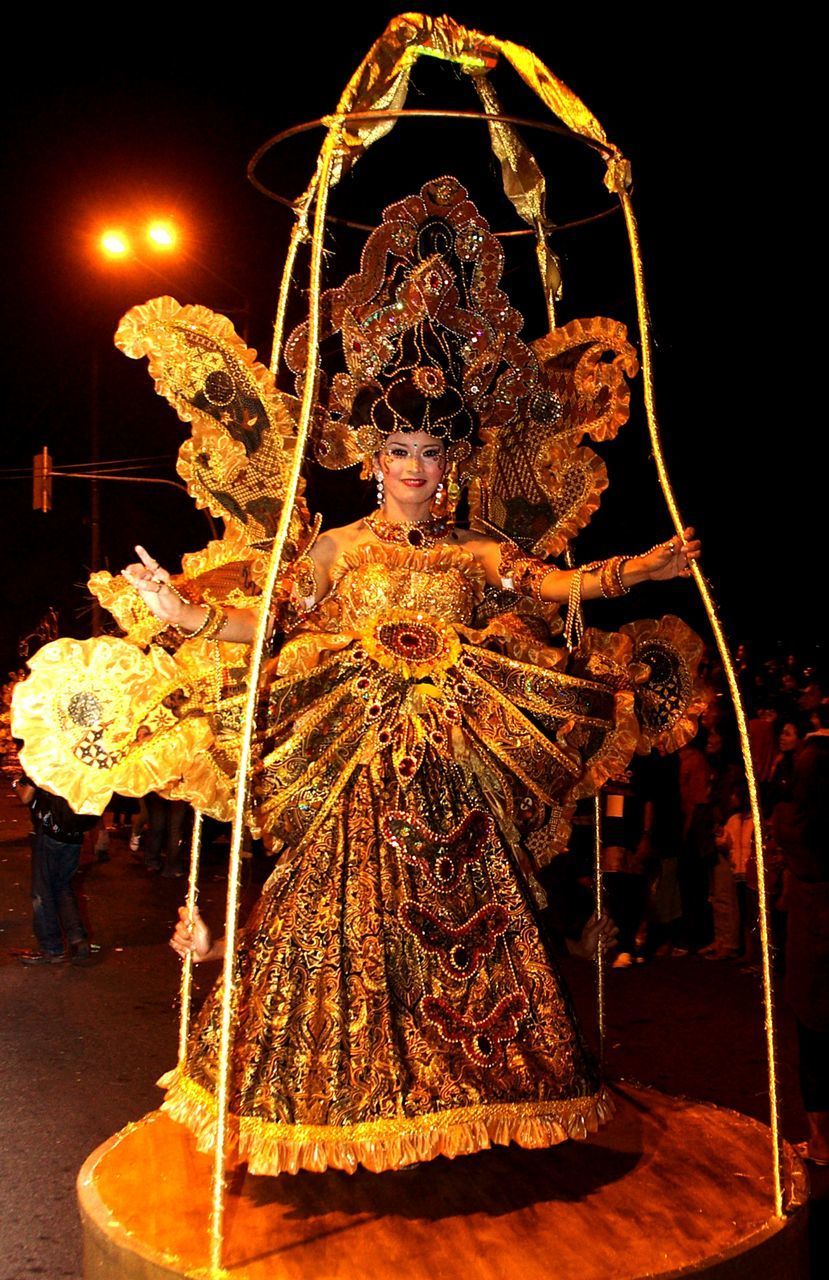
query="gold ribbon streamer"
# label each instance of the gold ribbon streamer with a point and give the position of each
(327, 154)
(526, 187)
(733, 686)
(554, 93)
(187, 967)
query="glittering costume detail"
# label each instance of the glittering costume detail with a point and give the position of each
(236, 460)
(535, 480)
(395, 996)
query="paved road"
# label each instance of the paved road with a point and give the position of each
(81, 1048)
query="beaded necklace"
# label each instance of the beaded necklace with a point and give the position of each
(412, 533)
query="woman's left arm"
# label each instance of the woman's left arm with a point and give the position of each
(507, 566)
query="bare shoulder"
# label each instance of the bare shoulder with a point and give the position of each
(482, 546)
(330, 545)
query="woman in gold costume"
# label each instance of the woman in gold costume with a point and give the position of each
(422, 740)
(396, 997)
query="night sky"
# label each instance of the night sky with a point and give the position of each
(161, 120)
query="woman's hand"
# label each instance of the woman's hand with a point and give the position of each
(153, 584)
(672, 559)
(192, 937)
(600, 931)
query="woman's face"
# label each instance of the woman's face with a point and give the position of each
(412, 464)
(788, 737)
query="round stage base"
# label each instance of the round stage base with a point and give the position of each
(668, 1188)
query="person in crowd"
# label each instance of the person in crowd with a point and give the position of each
(168, 821)
(788, 697)
(623, 860)
(738, 841)
(56, 852)
(138, 822)
(802, 829)
(699, 853)
(781, 776)
(660, 849)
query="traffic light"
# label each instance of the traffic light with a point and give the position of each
(42, 481)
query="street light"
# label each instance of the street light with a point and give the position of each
(114, 244)
(162, 235)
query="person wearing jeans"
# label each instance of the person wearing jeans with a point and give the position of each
(56, 852)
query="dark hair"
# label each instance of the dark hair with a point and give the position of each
(822, 713)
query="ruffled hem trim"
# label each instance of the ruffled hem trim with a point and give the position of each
(85, 755)
(387, 1143)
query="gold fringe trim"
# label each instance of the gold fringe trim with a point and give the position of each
(388, 1143)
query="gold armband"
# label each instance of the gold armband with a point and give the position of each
(299, 586)
(521, 572)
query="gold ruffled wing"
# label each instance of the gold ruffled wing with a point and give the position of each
(536, 481)
(99, 716)
(674, 695)
(156, 711)
(237, 460)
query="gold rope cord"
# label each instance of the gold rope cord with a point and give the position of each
(734, 689)
(599, 896)
(299, 233)
(328, 153)
(187, 966)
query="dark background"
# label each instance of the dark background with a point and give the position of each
(160, 117)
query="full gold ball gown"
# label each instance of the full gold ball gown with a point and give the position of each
(396, 997)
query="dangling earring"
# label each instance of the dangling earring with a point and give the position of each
(378, 475)
(453, 494)
(438, 509)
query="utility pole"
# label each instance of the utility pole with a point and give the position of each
(42, 481)
(94, 487)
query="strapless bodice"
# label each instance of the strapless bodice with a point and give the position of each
(443, 582)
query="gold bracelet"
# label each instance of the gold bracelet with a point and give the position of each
(610, 577)
(213, 611)
(211, 632)
(621, 561)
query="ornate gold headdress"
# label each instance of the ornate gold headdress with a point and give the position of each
(429, 340)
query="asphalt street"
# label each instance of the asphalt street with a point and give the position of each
(81, 1048)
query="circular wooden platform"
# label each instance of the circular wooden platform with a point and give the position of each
(669, 1188)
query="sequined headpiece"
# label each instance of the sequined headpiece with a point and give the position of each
(429, 339)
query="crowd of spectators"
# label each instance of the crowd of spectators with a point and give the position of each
(678, 846)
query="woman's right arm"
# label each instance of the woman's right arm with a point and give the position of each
(162, 599)
(237, 626)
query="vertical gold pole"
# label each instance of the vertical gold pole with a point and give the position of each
(298, 234)
(728, 667)
(257, 651)
(187, 967)
(599, 897)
